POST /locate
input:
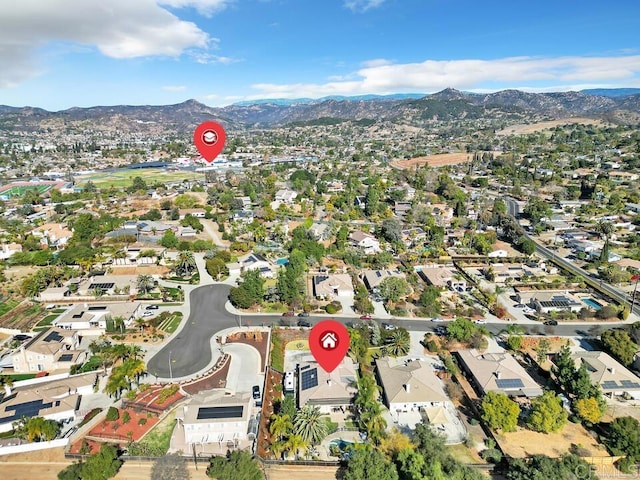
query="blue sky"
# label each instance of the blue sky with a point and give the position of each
(58, 54)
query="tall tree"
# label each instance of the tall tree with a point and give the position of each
(500, 412)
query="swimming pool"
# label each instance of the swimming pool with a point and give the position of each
(282, 261)
(592, 303)
(341, 444)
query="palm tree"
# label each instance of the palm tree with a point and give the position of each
(280, 425)
(398, 343)
(131, 369)
(145, 283)
(309, 425)
(295, 443)
(116, 384)
(605, 229)
(185, 264)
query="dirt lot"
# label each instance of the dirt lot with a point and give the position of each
(433, 160)
(281, 472)
(523, 129)
(524, 442)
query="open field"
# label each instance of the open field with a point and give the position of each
(439, 160)
(19, 191)
(523, 129)
(124, 178)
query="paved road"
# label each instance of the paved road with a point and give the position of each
(604, 287)
(190, 351)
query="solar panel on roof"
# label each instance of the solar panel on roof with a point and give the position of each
(101, 286)
(211, 413)
(97, 308)
(53, 337)
(630, 384)
(66, 357)
(609, 385)
(309, 379)
(507, 383)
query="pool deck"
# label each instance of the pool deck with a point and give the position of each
(348, 436)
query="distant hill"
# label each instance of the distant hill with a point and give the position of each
(296, 101)
(449, 104)
(612, 92)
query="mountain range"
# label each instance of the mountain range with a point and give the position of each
(621, 105)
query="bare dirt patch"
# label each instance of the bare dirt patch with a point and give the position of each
(287, 472)
(439, 160)
(524, 443)
(523, 129)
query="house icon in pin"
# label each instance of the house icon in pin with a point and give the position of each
(329, 341)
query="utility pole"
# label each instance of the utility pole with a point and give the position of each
(170, 370)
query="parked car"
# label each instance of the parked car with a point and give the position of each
(553, 323)
(520, 305)
(388, 326)
(152, 307)
(437, 319)
(303, 314)
(480, 321)
(256, 392)
(365, 317)
(528, 310)
(288, 314)
(304, 323)
(148, 314)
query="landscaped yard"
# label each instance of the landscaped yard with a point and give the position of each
(8, 305)
(171, 324)
(160, 436)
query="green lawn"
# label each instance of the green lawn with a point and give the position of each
(48, 320)
(16, 377)
(124, 178)
(8, 306)
(160, 435)
(171, 324)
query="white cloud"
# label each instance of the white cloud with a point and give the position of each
(362, 5)
(174, 88)
(384, 77)
(208, 58)
(204, 7)
(117, 28)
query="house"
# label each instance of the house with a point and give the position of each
(285, 196)
(443, 277)
(400, 209)
(497, 372)
(413, 236)
(53, 235)
(409, 384)
(8, 249)
(614, 378)
(329, 287)
(243, 216)
(57, 400)
(108, 285)
(365, 242)
(194, 212)
(498, 254)
(373, 278)
(187, 232)
(442, 213)
(320, 231)
(94, 317)
(149, 228)
(216, 416)
(326, 391)
(253, 261)
(52, 349)
(546, 301)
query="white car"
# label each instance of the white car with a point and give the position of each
(148, 314)
(481, 321)
(528, 310)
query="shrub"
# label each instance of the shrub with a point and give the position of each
(166, 393)
(492, 455)
(113, 414)
(142, 421)
(87, 418)
(125, 417)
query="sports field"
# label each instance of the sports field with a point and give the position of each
(124, 178)
(20, 190)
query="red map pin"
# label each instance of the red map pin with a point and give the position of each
(329, 342)
(209, 138)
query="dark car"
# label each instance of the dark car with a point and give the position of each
(288, 314)
(256, 392)
(152, 307)
(553, 323)
(303, 314)
(303, 323)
